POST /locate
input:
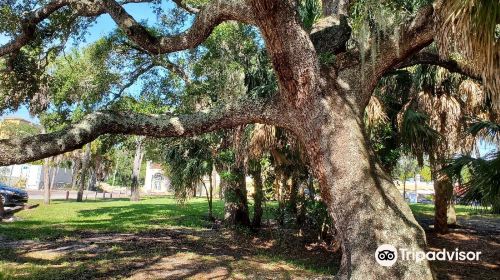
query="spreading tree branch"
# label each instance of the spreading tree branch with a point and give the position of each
(240, 112)
(414, 36)
(206, 20)
(31, 20)
(431, 58)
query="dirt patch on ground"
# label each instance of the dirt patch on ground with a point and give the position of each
(476, 234)
(167, 254)
(182, 253)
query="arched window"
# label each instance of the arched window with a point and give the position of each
(157, 181)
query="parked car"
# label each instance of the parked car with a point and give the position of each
(12, 196)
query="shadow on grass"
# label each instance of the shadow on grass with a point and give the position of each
(154, 238)
(64, 218)
(165, 254)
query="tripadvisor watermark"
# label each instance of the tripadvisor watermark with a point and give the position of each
(387, 255)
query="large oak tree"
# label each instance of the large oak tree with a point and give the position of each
(321, 103)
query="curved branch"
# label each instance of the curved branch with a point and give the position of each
(30, 22)
(426, 57)
(414, 36)
(240, 112)
(206, 20)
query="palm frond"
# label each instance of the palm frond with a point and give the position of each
(485, 129)
(483, 184)
(375, 112)
(416, 134)
(469, 27)
(262, 139)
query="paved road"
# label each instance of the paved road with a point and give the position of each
(89, 195)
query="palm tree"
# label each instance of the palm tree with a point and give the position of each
(483, 181)
(431, 121)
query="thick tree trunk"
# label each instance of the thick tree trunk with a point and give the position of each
(257, 196)
(367, 209)
(444, 212)
(83, 173)
(139, 155)
(235, 198)
(46, 181)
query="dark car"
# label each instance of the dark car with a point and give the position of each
(12, 196)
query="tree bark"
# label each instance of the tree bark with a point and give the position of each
(210, 198)
(444, 211)
(93, 179)
(367, 208)
(53, 179)
(83, 173)
(258, 195)
(294, 191)
(235, 198)
(139, 155)
(46, 181)
(76, 166)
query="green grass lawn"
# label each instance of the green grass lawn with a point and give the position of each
(61, 218)
(427, 210)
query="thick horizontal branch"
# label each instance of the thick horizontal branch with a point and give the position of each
(206, 20)
(243, 111)
(426, 57)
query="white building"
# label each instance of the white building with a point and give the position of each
(155, 180)
(31, 177)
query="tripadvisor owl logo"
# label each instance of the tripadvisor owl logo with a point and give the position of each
(386, 255)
